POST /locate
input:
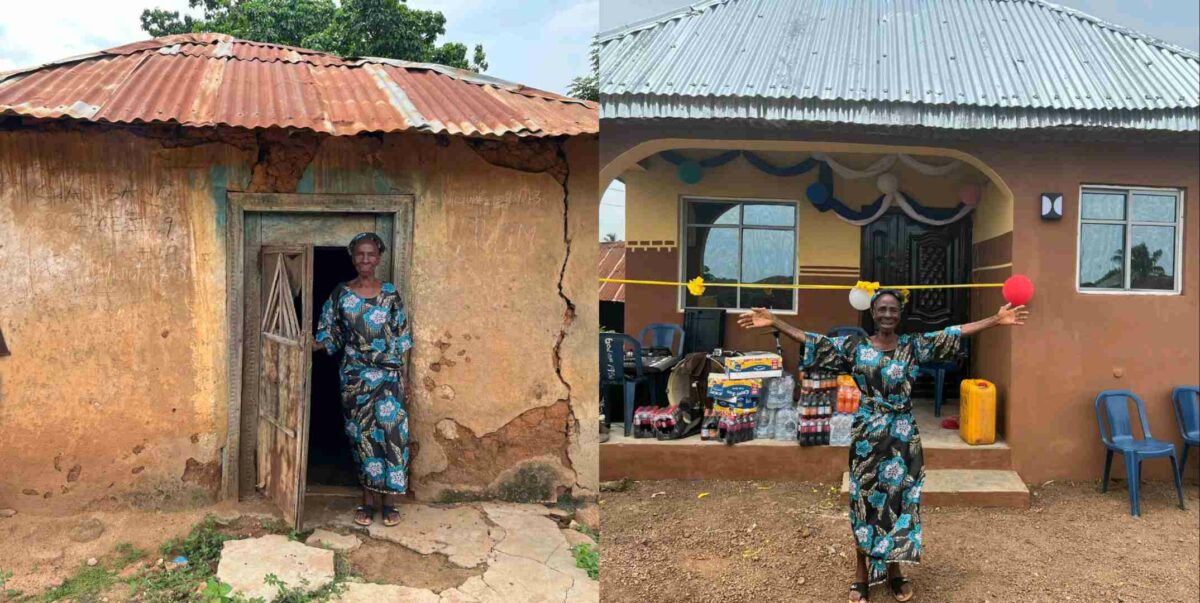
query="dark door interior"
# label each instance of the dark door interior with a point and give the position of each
(329, 460)
(897, 250)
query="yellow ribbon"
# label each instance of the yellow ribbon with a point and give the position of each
(699, 282)
(696, 286)
(870, 288)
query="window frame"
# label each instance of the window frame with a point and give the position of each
(1129, 223)
(682, 217)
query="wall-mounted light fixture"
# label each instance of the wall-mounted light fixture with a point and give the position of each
(1052, 206)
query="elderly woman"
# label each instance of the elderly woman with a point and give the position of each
(364, 320)
(886, 469)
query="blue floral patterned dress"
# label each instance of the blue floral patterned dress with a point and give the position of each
(373, 336)
(886, 462)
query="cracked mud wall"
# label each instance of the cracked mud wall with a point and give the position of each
(112, 276)
(112, 299)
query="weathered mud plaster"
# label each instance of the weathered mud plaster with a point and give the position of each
(125, 228)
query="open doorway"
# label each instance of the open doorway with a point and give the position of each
(329, 459)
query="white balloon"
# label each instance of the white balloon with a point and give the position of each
(887, 183)
(860, 299)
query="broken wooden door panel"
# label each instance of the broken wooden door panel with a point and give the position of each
(284, 378)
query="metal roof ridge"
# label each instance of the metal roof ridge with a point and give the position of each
(656, 20)
(1121, 29)
(698, 7)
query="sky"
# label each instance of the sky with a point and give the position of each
(1174, 21)
(539, 43)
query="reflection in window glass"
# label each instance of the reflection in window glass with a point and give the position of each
(712, 253)
(1101, 256)
(768, 257)
(1102, 206)
(1152, 208)
(712, 213)
(769, 214)
(1152, 257)
(731, 242)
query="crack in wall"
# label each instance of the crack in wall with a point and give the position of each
(572, 422)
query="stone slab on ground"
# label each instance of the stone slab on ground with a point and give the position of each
(245, 565)
(460, 532)
(967, 488)
(575, 537)
(359, 592)
(529, 535)
(333, 541)
(511, 578)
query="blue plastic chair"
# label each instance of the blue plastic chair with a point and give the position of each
(612, 372)
(663, 336)
(843, 331)
(1187, 414)
(1118, 437)
(938, 371)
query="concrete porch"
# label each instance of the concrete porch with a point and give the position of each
(957, 474)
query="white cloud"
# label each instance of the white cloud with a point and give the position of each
(578, 19)
(32, 34)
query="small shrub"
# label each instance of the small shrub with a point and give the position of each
(587, 558)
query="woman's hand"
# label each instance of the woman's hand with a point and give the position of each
(317, 346)
(756, 318)
(1009, 315)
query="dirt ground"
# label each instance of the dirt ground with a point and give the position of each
(744, 541)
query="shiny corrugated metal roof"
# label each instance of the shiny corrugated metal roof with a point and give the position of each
(970, 64)
(213, 79)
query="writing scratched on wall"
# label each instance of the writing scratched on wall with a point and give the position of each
(507, 225)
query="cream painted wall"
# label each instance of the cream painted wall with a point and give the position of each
(652, 200)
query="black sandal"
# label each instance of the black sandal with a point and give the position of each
(897, 586)
(864, 592)
(368, 511)
(388, 511)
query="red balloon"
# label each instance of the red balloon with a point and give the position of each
(1018, 290)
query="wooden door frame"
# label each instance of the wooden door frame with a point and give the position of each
(399, 206)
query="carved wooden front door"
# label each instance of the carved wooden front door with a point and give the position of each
(897, 250)
(284, 378)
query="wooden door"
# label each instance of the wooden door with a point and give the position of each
(285, 340)
(897, 250)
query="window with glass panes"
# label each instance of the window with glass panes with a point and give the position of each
(1129, 239)
(740, 241)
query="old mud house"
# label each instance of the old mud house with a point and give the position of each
(148, 194)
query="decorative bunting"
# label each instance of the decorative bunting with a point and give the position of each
(821, 193)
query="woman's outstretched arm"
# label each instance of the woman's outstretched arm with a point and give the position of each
(1007, 316)
(762, 317)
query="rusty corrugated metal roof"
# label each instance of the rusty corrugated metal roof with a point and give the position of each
(213, 79)
(612, 265)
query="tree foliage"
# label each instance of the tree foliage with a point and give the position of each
(587, 87)
(376, 28)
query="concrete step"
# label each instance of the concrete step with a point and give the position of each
(691, 458)
(966, 488)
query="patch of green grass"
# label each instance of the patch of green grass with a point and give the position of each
(128, 554)
(587, 558)
(85, 585)
(341, 566)
(300, 594)
(586, 531)
(277, 526)
(202, 547)
(7, 594)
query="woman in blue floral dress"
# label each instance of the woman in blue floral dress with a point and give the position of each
(364, 319)
(886, 468)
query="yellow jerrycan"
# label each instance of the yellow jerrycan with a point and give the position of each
(977, 420)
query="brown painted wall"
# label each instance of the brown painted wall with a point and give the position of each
(1074, 342)
(112, 272)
